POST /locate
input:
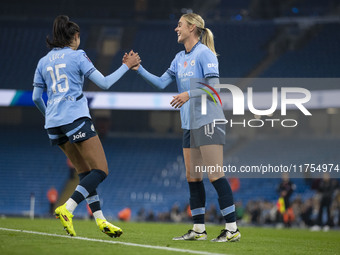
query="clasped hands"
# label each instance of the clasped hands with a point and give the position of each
(132, 60)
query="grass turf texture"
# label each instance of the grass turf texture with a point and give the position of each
(255, 240)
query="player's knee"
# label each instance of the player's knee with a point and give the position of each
(215, 176)
(188, 176)
(82, 169)
(191, 178)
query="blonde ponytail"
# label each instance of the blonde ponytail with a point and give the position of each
(205, 34)
(207, 38)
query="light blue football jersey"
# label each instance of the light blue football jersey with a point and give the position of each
(200, 62)
(61, 72)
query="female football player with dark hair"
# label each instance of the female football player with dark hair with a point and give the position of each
(67, 118)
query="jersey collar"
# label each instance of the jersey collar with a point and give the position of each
(193, 48)
(59, 48)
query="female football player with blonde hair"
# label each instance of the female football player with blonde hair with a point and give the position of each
(202, 142)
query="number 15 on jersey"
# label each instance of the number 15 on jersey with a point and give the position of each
(57, 78)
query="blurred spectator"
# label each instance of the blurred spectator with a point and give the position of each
(307, 213)
(285, 190)
(254, 211)
(327, 187)
(234, 184)
(89, 211)
(268, 213)
(141, 216)
(163, 216)
(125, 214)
(296, 206)
(188, 212)
(52, 196)
(175, 213)
(337, 209)
(211, 214)
(257, 212)
(150, 216)
(239, 210)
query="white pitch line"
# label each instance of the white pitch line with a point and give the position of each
(114, 242)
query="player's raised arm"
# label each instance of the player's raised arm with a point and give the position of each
(159, 82)
(129, 60)
(155, 81)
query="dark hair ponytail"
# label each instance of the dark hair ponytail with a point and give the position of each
(63, 32)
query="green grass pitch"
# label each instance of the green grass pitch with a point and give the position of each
(255, 240)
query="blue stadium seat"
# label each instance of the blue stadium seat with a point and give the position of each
(319, 58)
(23, 45)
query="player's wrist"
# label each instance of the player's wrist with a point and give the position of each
(125, 66)
(139, 69)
